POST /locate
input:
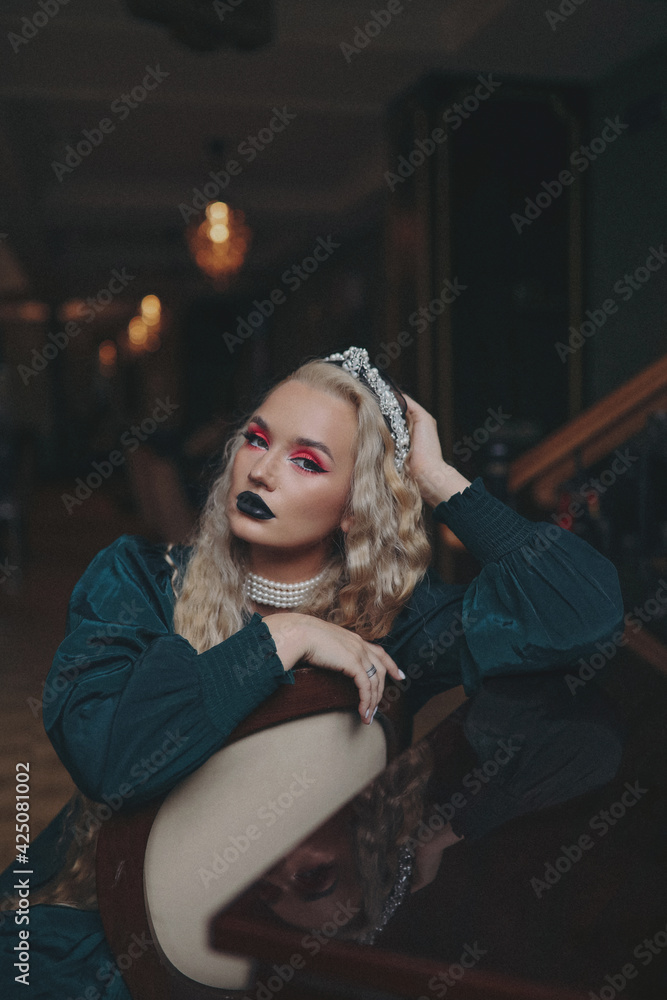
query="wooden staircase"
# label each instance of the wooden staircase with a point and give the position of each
(585, 440)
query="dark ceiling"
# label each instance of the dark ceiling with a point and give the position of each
(119, 207)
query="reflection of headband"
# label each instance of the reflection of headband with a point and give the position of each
(395, 897)
(355, 360)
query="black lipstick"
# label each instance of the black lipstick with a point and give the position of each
(250, 503)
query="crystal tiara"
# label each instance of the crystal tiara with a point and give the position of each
(396, 897)
(355, 360)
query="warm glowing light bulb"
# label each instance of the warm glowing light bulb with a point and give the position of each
(137, 331)
(219, 232)
(150, 308)
(71, 309)
(107, 352)
(220, 242)
(217, 211)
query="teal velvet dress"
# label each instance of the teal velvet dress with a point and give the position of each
(131, 707)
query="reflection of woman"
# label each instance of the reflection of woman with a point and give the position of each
(522, 744)
(355, 869)
(311, 548)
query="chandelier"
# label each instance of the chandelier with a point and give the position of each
(219, 244)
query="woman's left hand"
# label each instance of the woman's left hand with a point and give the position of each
(437, 480)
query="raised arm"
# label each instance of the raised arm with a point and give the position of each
(542, 599)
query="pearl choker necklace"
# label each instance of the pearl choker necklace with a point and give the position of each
(279, 595)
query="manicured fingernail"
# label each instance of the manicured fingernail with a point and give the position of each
(368, 712)
(401, 675)
(374, 711)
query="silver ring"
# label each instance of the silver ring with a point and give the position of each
(372, 671)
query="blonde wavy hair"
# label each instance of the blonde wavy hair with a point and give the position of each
(371, 571)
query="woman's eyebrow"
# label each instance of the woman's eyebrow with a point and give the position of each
(304, 442)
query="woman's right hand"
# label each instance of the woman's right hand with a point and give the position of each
(323, 644)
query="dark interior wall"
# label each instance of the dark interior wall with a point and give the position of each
(340, 305)
(626, 215)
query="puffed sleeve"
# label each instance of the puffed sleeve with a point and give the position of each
(131, 707)
(543, 598)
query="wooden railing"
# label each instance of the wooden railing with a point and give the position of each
(581, 443)
(590, 436)
(393, 973)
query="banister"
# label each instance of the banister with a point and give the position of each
(590, 435)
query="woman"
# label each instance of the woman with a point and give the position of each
(312, 547)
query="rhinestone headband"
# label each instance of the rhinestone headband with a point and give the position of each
(355, 360)
(395, 897)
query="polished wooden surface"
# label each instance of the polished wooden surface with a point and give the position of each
(375, 968)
